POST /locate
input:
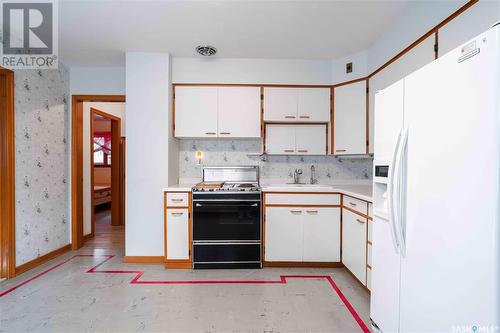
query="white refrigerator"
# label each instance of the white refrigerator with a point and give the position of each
(436, 233)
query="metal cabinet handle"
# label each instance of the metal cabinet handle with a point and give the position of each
(177, 200)
(289, 150)
(210, 133)
(352, 204)
(360, 221)
(290, 117)
(304, 117)
(312, 211)
(302, 150)
(225, 133)
(340, 150)
(177, 213)
(296, 211)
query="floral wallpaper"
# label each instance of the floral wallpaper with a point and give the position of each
(41, 143)
(236, 152)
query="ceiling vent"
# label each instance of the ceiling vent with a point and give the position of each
(206, 50)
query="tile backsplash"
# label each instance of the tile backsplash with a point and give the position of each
(236, 152)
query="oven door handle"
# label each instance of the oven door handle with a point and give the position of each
(222, 205)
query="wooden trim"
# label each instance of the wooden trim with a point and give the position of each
(341, 224)
(367, 129)
(332, 119)
(262, 131)
(123, 149)
(462, 9)
(42, 259)
(304, 206)
(178, 264)
(356, 212)
(173, 110)
(88, 237)
(251, 85)
(142, 259)
(282, 192)
(349, 82)
(302, 264)
(7, 175)
(295, 123)
(77, 161)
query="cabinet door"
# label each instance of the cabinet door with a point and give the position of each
(310, 140)
(354, 244)
(239, 112)
(314, 104)
(280, 139)
(195, 112)
(280, 104)
(321, 234)
(177, 234)
(283, 238)
(349, 135)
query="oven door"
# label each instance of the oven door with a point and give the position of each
(229, 220)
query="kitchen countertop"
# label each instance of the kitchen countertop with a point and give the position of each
(360, 191)
(363, 192)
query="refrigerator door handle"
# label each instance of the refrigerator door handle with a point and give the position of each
(401, 192)
(390, 193)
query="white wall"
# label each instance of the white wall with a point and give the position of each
(148, 109)
(270, 71)
(359, 67)
(115, 109)
(97, 80)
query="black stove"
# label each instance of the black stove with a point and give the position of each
(227, 229)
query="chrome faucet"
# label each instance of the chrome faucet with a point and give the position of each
(313, 179)
(296, 176)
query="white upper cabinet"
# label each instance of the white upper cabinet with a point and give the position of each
(239, 112)
(217, 112)
(296, 139)
(313, 104)
(196, 112)
(297, 104)
(280, 139)
(280, 104)
(349, 114)
(310, 139)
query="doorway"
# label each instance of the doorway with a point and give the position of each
(106, 189)
(82, 190)
(7, 195)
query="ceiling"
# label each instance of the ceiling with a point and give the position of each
(99, 32)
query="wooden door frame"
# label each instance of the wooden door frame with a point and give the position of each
(115, 167)
(7, 180)
(77, 161)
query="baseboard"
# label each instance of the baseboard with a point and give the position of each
(42, 259)
(87, 237)
(302, 264)
(143, 259)
(181, 264)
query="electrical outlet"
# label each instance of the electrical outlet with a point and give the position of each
(348, 67)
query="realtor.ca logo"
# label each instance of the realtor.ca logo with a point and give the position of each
(29, 34)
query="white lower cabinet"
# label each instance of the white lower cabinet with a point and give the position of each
(354, 244)
(177, 233)
(321, 228)
(283, 234)
(302, 234)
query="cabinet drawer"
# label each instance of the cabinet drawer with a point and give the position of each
(175, 199)
(302, 199)
(356, 204)
(177, 234)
